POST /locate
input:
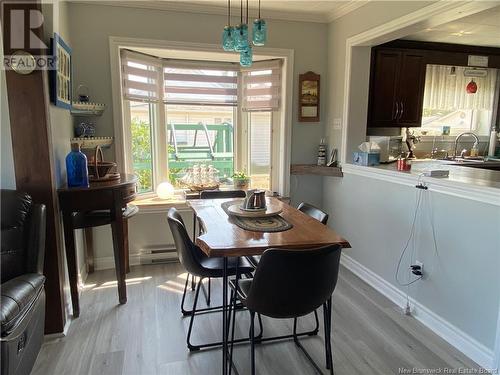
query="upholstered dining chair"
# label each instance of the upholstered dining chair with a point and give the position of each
(213, 194)
(199, 265)
(290, 284)
(309, 210)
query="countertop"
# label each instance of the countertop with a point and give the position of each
(459, 174)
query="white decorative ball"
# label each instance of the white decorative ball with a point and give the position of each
(165, 190)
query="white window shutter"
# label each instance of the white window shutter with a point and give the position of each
(200, 83)
(262, 86)
(140, 76)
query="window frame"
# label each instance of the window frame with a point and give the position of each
(183, 50)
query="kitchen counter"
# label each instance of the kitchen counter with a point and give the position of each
(471, 183)
(458, 174)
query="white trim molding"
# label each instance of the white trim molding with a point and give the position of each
(342, 9)
(453, 335)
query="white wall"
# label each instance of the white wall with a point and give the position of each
(459, 298)
(462, 282)
(92, 67)
(56, 20)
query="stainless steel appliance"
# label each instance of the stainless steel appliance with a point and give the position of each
(391, 147)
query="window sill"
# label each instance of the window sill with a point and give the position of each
(157, 205)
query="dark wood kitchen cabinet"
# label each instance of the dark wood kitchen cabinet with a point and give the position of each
(397, 80)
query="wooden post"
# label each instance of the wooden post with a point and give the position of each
(34, 166)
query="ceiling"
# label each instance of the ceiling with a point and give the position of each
(480, 29)
(292, 10)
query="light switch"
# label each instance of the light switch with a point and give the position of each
(337, 123)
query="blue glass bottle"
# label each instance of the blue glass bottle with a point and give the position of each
(76, 167)
(259, 35)
(241, 37)
(246, 57)
(228, 38)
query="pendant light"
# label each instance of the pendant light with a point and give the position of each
(259, 35)
(228, 35)
(246, 55)
(241, 31)
(471, 88)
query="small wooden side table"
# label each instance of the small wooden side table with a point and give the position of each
(112, 196)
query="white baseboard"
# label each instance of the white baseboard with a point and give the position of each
(459, 339)
(105, 263)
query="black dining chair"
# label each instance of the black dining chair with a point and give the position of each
(219, 194)
(313, 212)
(290, 284)
(199, 265)
(211, 194)
(309, 210)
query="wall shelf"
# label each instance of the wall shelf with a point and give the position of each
(312, 169)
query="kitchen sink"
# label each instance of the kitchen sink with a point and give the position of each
(475, 162)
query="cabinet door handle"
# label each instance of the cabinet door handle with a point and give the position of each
(402, 110)
(397, 111)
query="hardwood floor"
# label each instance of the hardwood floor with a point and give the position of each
(147, 335)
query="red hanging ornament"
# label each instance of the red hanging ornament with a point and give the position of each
(471, 87)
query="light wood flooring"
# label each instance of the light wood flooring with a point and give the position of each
(147, 335)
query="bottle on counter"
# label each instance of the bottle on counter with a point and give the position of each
(322, 152)
(76, 167)
(493, 143)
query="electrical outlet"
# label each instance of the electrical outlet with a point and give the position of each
(421, 264)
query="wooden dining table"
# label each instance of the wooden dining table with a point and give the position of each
(221, 237)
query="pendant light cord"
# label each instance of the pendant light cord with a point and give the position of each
(259, 9)
(229, 12)
(247, 13)
(241, 11)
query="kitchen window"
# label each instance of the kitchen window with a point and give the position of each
(179, 113)
(447, 102)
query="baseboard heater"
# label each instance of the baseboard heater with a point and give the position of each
(158, 254)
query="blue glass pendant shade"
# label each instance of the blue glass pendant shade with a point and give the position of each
(76, 167)
(259, 32)
(241, 37)
(228, 38)
(246, 57)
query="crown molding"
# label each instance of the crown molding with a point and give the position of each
(348, 7)
(184, 7)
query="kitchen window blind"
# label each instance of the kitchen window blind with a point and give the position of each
(140, 76)
(445, 90)
(262, 86)
(200, 84)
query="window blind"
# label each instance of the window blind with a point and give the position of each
(446, 91)
(140, 77)
(262, 86)
(204, 84)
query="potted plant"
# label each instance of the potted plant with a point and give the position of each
(240, 180)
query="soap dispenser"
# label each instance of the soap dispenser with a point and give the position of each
(76, 167)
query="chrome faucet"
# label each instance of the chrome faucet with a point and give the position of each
(476, 142)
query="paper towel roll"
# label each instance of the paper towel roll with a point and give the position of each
(493, 143)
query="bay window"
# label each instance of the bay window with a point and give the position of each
(178, 113)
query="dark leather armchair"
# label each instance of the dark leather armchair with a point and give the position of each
(22, 290)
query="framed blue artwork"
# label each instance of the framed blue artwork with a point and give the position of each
(60, 77)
